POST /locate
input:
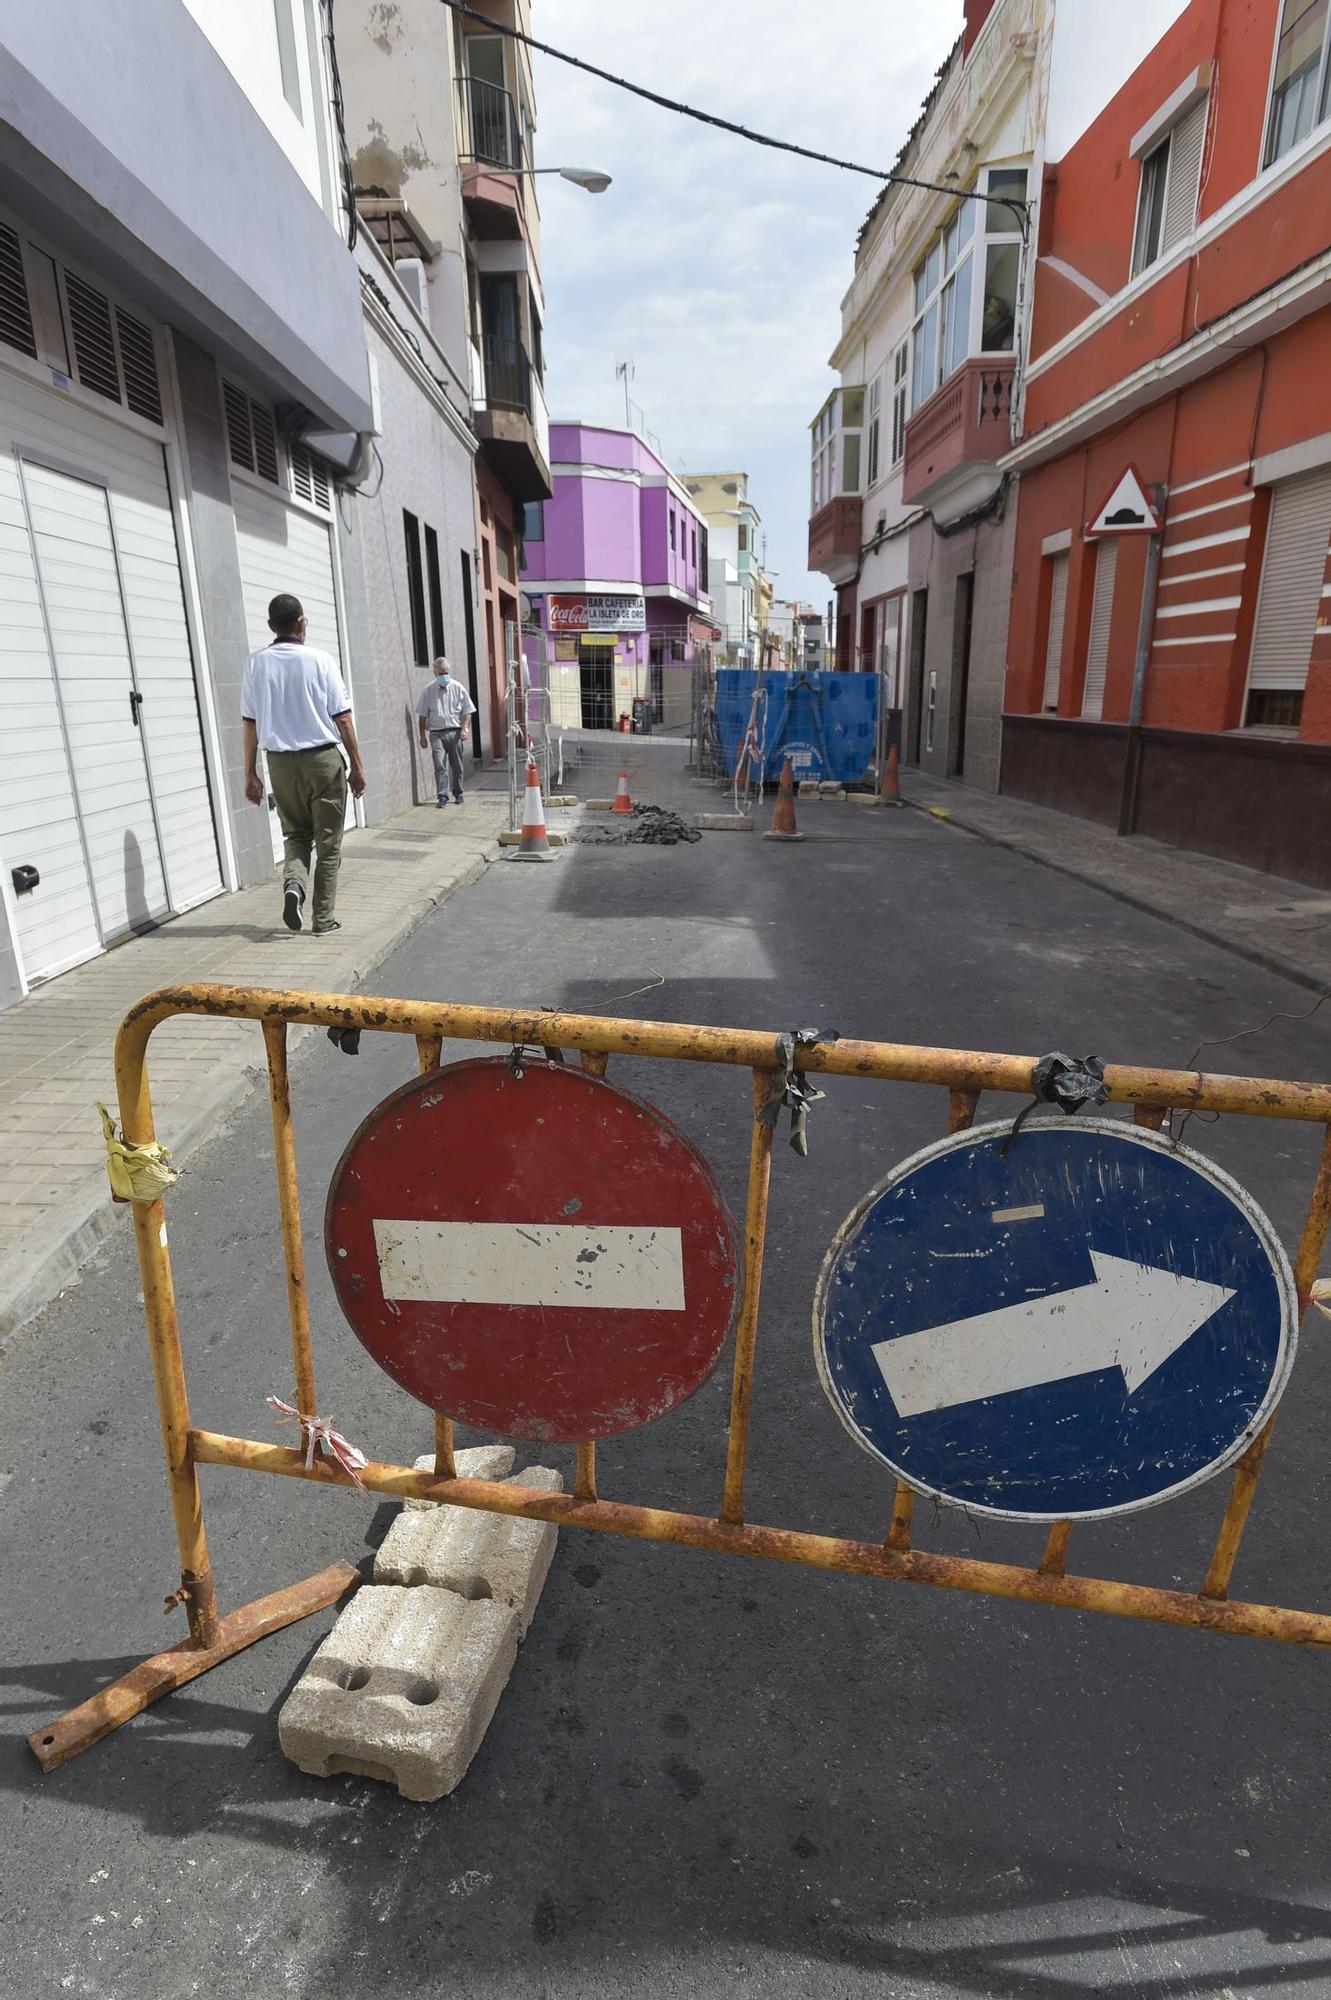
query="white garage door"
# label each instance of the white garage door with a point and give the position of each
(106, 792)
(283, 549)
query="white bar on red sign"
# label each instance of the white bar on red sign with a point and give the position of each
(532, 1264)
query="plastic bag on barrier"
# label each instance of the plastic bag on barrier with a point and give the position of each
(136, 1173)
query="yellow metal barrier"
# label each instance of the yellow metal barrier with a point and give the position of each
(963, 1074)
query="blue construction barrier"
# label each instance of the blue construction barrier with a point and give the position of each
(826, 723)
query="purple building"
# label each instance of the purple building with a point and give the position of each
(615, 567)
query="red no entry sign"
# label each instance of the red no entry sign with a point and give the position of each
(543, 1256)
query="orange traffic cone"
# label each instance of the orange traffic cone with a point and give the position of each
(890, 795)
(534, 845)
(783, 819)
(623, 803)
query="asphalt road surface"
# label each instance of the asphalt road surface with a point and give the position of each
(707, 1775)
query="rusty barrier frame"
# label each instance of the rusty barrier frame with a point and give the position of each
(963, 1074)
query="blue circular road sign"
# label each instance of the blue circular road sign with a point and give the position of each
(1087, 1323)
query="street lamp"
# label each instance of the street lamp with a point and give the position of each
(591, 179)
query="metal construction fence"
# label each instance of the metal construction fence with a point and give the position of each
(782, 1069)
(571, 709)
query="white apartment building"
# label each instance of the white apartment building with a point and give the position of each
(911, 519)
(183, 381)
(735, 580)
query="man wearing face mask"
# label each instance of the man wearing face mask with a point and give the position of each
(442, 712)
(295, 708)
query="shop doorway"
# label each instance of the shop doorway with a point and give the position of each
(597, 663)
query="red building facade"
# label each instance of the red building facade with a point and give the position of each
(1181, 326)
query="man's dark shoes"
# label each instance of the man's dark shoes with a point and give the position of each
(331, 925)
(293, 902)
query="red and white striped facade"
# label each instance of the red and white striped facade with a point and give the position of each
(1205, 366)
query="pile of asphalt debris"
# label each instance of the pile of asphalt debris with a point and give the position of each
(645, 826)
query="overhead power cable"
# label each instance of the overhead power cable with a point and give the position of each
(1020, 209)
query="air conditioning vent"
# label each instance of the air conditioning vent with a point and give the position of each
(265, 443)
(251, 434)
(138, 359)
(94, 342)
(15, 313)
(239, 431)
(309, 478)
(301, 484)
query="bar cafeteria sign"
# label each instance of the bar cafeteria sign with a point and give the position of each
(598, 614)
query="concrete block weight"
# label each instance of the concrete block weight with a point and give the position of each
(499, 1556)
(402, 1689)
(479, 1461)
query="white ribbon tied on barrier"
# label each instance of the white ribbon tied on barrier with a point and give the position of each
(1320, 1295)
(319, 1435)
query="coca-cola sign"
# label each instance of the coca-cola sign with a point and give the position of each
(598, 613)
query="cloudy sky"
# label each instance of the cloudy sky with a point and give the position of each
(716, 265)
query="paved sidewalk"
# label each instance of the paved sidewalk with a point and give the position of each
(56, 1046)
(1280, 925)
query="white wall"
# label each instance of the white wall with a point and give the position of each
(1096, 47)
(244, 34)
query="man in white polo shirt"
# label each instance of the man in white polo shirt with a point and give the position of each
(295, 708)
(442, 711)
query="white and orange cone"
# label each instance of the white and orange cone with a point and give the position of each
(783, 819)
(534, 844)
(623, 803)
(890, 794)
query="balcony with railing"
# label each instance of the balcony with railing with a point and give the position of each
(491, 156)
(954, 439)
(510, 417)
(834, 537)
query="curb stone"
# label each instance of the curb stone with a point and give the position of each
(55, 1250)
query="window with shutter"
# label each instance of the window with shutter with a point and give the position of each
(94, 341)
(239, 429)
(251, 434)
(1293, 568)
(15, 312)
(53, 315)
(138, 361)
(1171, 177)
(1053, 645)
(1185, 172)
(1097, 646)
(264, 432)
(874, 420)
(309, 477)
(301, 484)
(900, 395)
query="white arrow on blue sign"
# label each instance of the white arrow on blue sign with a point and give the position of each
(1086, 1323)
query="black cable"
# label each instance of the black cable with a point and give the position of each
(1020, 209)
(340, 120)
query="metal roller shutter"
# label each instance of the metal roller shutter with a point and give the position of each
(1185, 171)
(1097, 648)
(117, 819)
(1053, 651)
(282, 548)
(1292, 572)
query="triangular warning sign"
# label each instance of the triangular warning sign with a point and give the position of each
(1129, 510)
